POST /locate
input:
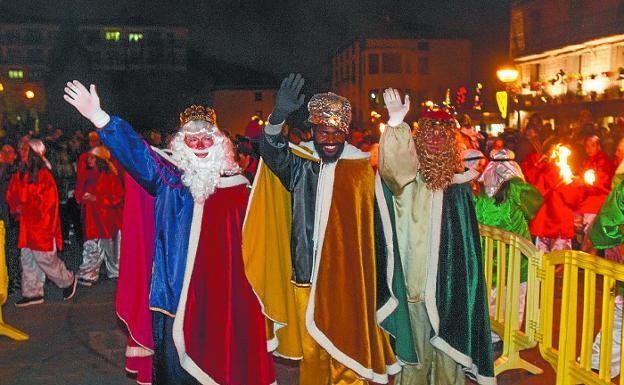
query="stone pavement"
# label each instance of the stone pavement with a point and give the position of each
(82, 342)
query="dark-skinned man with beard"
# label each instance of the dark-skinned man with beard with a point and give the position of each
(317, 244)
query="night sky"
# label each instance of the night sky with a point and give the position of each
(280, 36)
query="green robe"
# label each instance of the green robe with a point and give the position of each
(513, 214)
(607, 229)
(441, 257)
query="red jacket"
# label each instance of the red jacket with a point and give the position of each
(596, 194)
(102, 218)
(555, 218)
(40, 225)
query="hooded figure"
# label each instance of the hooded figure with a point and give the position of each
(509, 203)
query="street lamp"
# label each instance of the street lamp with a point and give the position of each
(29, 94)
(508, 75)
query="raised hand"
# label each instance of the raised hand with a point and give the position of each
(396, 108)
(87, 102)
(288, 98)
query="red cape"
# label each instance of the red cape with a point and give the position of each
(219, 330)
(135, 269)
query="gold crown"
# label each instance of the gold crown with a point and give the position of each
(197, 112)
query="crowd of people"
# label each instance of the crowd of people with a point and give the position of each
(357, 255)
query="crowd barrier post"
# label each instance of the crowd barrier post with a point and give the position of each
(6, 330)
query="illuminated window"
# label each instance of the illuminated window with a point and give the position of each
(16, 74)
(113, 35)
(135, 37)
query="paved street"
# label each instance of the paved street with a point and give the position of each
(82, 342)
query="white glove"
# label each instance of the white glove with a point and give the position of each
(87, 102)
(396, 109)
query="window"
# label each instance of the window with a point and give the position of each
(113, 35)
(423, 46)
(352, 72)
(258, 96)
(373, 63)
(16, 74)
(135, 37)
(423, 65)
(391, 63)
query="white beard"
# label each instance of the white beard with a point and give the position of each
(202, 175)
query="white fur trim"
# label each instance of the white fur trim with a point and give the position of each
(138, 351)
(392, 303)
(231, 181)
(350, 152)
(130, 332)
(178, 324)
(462, 359)
(276, 354)
(323, 203)
(430, 293)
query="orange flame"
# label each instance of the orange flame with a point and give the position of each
(590, 177)
(562, 153)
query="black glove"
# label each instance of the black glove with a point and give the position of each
(288, 99)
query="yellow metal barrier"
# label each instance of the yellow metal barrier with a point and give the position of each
(508, 249)
(6, 330)
(573, 366)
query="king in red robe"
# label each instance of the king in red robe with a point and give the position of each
(207, 323)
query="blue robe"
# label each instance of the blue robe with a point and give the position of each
(173, 209)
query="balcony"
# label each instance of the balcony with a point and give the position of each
(569, 32)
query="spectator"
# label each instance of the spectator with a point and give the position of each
(33, 198)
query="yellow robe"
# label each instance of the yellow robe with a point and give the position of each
(342, 314)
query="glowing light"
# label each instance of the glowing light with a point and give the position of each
(556, 89)
(590, 177)
(135, 37)
(429, 104)
(382, 128)
(29, 94)
(375, 114)
(1, 87)
(16, 74)
(595, 84)
(561, 153)
(507, 75)
(113, 35)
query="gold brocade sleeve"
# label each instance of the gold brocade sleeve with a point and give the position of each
(398, 162)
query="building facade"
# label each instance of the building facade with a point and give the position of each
(237, 107)
(422, 68)
(570, 57)
(129, 48)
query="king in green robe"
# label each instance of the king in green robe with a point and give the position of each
(440, 251)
